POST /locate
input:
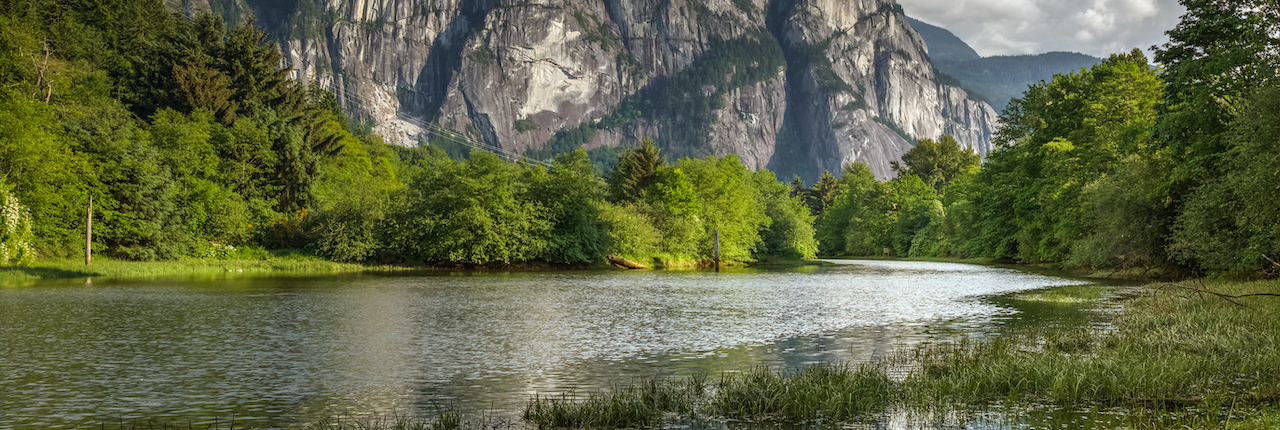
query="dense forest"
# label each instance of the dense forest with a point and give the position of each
(1123, 165)
(192, 143)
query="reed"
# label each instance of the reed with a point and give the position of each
(827, 392)
(639, 405)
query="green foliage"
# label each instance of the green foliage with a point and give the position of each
(348, 226)
(44, 171)
(571, 193)
(473, 211)
(937, 163)
(1126, 229)
(15, 229)
(729, 203)
(790, 233)
(1220, 66)
(636, 170)
(481, 55)
(597, 32)
(630, 230)
(1229, 224)
(564, 141)
(1058, 138)
(523, 125)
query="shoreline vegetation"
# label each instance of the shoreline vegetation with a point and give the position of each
(293, 262)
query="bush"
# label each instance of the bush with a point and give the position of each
(15, 229)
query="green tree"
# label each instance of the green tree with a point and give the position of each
(571, 192)
(630, 230)
(43, 170)
(1217, 56)
(1057, 138)
(730, 203)
(637, 169)
(1231, 223)
(15, 229)
(674, 207)
(790, 233)
(471, 212)
(937, 163)
(824, 193)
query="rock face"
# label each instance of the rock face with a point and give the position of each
(797, 86)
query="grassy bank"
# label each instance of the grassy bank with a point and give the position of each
(1192, 354)
(283, 262)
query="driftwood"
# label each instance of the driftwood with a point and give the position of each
(1199, 289)
(624, 263)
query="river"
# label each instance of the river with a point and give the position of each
(283, 351)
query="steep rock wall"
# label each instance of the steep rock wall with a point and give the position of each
(506, 75)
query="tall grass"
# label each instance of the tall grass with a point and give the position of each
(1164, 349)
(834, 392)
(631, 406)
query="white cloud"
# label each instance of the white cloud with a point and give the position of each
(1011, 27)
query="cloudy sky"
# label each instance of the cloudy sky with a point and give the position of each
(1011, 27)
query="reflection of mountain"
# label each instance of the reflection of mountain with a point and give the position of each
(999, 78)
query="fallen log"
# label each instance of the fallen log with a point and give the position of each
(624, 263)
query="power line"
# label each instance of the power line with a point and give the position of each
(440, 131)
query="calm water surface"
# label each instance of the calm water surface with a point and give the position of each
(285, 351)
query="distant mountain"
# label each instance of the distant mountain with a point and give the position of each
(942, 45)
(999, 78)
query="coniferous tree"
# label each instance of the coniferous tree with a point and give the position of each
(637, 169)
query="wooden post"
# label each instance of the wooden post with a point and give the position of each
(717, 251)
(88, 234)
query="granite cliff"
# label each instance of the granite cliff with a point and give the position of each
(797, 86)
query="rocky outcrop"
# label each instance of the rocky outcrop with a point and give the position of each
(798, 86)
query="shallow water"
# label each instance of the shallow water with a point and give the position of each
(290, 350)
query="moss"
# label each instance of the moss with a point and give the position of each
(481, 55)
(523, 125)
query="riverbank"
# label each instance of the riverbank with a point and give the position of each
(1191, 355)
(278, 262)
(292, 262)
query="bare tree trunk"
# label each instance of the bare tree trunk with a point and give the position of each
(88, 234)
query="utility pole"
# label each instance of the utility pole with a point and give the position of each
(88, 234)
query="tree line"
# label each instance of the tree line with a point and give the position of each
(192, 143)
(1121, 165)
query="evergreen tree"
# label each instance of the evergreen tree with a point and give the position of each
(637, 169)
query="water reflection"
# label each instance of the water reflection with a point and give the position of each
(280, 351)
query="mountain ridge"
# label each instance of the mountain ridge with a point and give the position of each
(998, 78)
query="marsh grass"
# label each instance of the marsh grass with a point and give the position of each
(827, 392)
(639, 405)
(1065, 295)
(1164, 350)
